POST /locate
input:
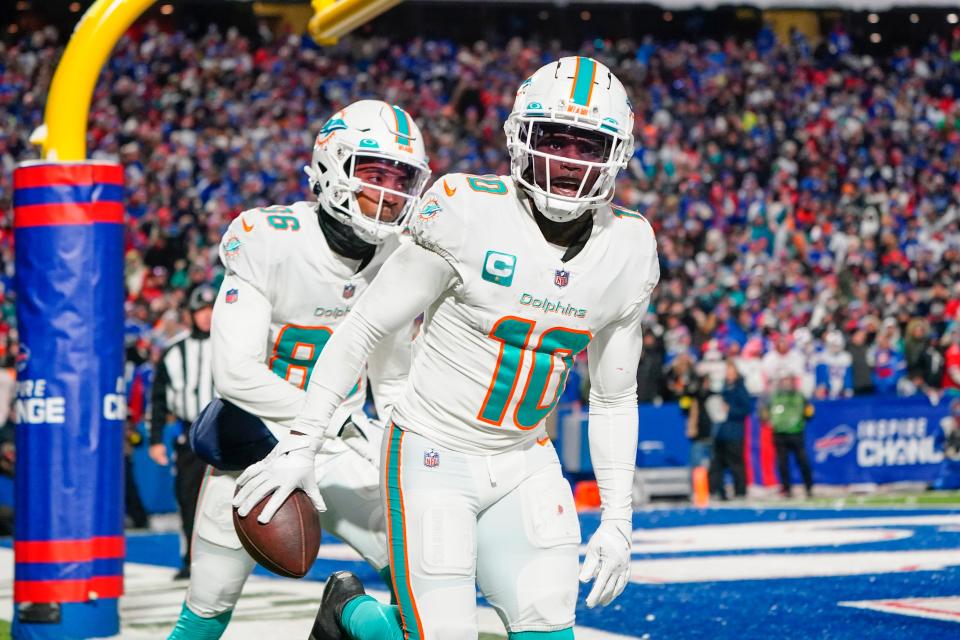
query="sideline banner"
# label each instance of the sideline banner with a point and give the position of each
(70, 403)
(877, 439)
(860, 440)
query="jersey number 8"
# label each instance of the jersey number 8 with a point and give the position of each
(296, 351)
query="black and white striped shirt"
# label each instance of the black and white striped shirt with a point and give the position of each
(183, 383)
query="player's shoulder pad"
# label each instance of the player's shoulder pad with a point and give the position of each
(631, 225)
(622, 213)
(249, 243)
(441, 219)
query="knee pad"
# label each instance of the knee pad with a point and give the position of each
(546, 586)
(449, 613)
(228, 438)
(448, 541)
(217, 576)
(214, 521)
(547, 590)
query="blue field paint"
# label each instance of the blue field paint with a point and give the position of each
(794, 608)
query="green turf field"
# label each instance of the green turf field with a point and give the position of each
(926, 498)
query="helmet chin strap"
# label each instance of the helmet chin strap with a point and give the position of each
(343, 240)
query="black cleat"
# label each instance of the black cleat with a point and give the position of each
(341, 588)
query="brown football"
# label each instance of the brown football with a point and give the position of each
(288, 544)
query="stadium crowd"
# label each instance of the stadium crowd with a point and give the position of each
(805, 198)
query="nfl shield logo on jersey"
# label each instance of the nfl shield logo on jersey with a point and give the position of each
(431, 459)
(232, 296)
(561, 277)
(348, 290)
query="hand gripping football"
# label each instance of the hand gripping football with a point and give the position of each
(288, 544)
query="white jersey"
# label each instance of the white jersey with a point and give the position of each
(284, 294)
(495, 350)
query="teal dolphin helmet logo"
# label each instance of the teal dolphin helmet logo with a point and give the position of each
(333, 124)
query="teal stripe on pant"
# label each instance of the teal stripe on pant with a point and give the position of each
(396, 538)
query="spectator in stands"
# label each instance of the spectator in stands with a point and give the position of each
(691, 391)
(923, 361)
(834, 369)
(787, 411)
(806, 346)
(650, 369)
(888, 365)
(733, 406)
(951, 360)
(948, 439)
(862, 370)
(782, 362)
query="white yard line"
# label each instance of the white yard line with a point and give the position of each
(947, 609)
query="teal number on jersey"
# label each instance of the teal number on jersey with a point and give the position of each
(513, 334)
(556, 342)
(487, 185)
(295, 352)
(283, 222)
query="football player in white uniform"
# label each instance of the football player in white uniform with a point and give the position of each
(293, 274)
(518, 274)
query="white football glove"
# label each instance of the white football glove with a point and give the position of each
(364, 436)
(607, 562)
(288, 467)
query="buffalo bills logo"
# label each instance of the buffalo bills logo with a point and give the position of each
(837, 442)
(561, 278)
(348, 290)
(431, 459)
(23, 357)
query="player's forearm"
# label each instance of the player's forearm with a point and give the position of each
(410, 280)
(388, 368)
(613, 357)
(613, 449)
(335, 373)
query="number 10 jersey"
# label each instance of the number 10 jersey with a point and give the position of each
(496, 349)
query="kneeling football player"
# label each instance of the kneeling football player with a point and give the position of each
(293, 274)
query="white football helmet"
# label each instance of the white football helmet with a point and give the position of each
(574, 92)
(367, 129)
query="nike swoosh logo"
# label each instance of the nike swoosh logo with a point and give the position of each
(246, 227)
(448, 190)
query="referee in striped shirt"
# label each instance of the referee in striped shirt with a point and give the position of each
(182, 386)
